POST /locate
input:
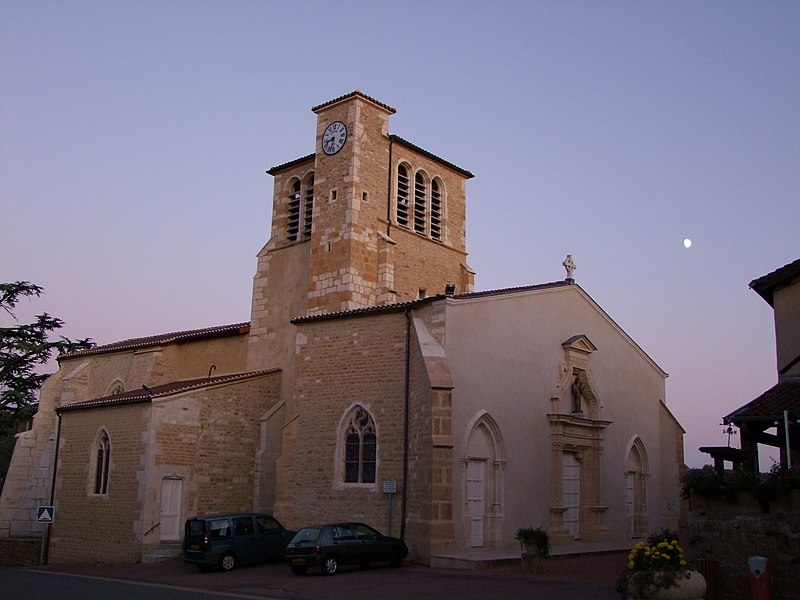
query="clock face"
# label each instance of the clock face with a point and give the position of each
(334, 137)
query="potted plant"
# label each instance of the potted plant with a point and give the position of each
(657, 570)
(535, 546)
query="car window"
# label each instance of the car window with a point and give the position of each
(219, 528)
(366, 533)
(195, 527)
(267, 525)
(343, 533)
(243, 526)
(307, 534)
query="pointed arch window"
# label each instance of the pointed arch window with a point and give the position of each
(361, 448)
(293, 225)
(420, 202)
(308, 206)
(102, 463)
(436, 209)
(301, 209)
(403, 200)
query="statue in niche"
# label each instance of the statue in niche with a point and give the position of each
(577, 394)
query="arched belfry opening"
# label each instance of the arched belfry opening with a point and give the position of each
(577, 508)
(483, 483)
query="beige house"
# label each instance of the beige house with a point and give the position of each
(778, 408)
(372, 380)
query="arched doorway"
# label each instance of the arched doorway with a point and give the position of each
(483, 466)
(636, 473)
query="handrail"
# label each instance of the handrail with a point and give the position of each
(153, 527)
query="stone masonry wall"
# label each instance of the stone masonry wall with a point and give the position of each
(88, 526)
(355, 361)
(726, 536)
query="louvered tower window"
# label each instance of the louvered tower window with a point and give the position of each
(308, 207)
(436, 210)
(420, 197)
(402, 196)
(293, 224)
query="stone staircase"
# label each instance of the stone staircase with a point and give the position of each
(163, 552)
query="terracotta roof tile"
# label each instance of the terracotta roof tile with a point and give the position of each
(765, 286)
(406, 143)
(785, 395)
(291, 163)
(400, 306)
(351, 95)
(176, 337)
(142, 395)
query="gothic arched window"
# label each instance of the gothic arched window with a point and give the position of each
(102, 463)
(361, 447)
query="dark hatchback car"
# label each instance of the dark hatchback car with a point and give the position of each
(225, 541)
(328, 546)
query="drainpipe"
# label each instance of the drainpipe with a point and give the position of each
(406, 395)
(46, 543)
(788, 446)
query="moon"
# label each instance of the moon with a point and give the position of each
(687, 243)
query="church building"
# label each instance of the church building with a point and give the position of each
(371, 383)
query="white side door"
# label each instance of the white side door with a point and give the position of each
(170, 518)
(630, 499)
(476, 501)
(571, 493)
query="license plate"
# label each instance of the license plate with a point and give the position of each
(195, 546)
(298, 561)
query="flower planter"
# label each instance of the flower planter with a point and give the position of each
(688, 585)
(532, 558)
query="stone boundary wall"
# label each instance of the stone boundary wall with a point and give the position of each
(725, 539)
(20, 552)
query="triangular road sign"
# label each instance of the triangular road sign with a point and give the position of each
(44, 514)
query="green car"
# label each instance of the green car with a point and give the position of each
(225, 541)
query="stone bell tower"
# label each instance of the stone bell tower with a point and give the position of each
(368, 219)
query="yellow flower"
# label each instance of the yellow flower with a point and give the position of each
(630, 565)
(683, 563)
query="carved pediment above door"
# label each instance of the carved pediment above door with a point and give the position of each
(578, 346)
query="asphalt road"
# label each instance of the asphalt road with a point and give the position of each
(592, 577)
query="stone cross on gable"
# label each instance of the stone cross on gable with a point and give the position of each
(569, 265)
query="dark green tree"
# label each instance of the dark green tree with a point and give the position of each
(24, 348)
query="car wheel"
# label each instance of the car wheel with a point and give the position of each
(299, 570)
(227, 562)
(395, 558)
(329, 565)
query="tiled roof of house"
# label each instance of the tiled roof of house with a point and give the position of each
(765, 286)
(400, 306)
(785, 395)
(144, 395)
(176, 337)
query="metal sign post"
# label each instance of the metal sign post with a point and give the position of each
(389, 488)
(45, 515)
